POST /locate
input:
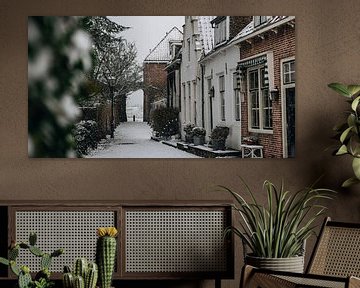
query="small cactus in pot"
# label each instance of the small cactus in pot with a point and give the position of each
(106, 254)
(42, 278)
(85, 275)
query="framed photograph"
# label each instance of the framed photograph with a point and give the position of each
(161, 87)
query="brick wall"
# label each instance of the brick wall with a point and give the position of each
(155, 77)
(282, 45)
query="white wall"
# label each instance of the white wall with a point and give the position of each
(190, 73)
(223, 63)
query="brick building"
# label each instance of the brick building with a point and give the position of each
(267, 83)
(155, 74)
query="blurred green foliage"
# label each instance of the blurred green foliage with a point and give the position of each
(59, 55)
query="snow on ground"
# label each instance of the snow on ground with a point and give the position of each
(132, 140)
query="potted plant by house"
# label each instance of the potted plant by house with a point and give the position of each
(250, 140)
(199, 135)
(189, 133)
(348, 132)
(218, 137)
(275, 233)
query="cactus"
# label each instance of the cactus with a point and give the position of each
(105, 254)
(68, 280)
(79, 282)
(80, 267)
(32, 238)
(13, 253)
(24, 278)
(36, 251)
(87, 272)
(91, 276)
(45, 261)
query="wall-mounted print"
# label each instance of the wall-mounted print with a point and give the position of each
(161, 87)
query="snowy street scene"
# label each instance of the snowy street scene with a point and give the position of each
(161, 87)
(133, 140)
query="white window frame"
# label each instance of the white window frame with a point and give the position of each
(221, 30)
(189, 50)
(189, 100)
(283, 102)
(259, 20)
(236, 95)
(261, 128)
(222, 97)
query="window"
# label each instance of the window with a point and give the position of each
(189, 101)
(222, 97)
(260, 105)
(220, 32)
(289, 72)
(259, 20)
(209, 86)
(236, 97)
(194, 103)
(188, 50)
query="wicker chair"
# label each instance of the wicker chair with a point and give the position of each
(334, 263)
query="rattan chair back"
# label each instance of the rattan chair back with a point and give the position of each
(337, 252)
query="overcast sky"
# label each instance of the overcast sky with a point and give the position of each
(147, 31)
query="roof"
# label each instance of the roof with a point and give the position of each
(206, 33)
(161, 52)
(250, 29)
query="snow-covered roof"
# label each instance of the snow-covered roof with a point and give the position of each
(206, 33)
(249, 29)
(161, 52)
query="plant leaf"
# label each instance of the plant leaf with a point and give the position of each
(355, 103)
(342, 150)
(353, 89)
(340, 88)
(356, 167)
(345, 134)
(349, 182)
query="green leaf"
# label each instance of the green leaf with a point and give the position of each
(349, 182)
(351, 120)
(340, 88)
(356, 167)
(355, 103)
(353, 89)
(342, 150)
(354, 145)
(4, 261)
(345, 134)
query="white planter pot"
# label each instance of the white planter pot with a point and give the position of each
(291, 264)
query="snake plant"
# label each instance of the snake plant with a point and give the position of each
(279, 228)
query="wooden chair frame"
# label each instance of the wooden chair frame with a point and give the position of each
(333, 276)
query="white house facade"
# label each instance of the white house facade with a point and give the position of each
(197, 41)
(222, 102)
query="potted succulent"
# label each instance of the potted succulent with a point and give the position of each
(275, 233)
(218, 137)
(199, 135)
(250, 140)
(188, 132)
(348, 132)
(25, 280)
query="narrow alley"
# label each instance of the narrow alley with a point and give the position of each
(133, 140)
